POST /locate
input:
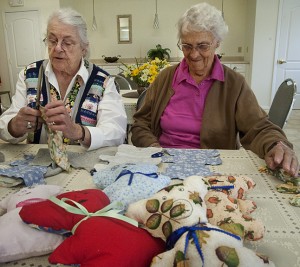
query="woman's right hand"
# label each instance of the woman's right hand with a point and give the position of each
(26, 120)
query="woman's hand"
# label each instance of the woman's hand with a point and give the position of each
(283, 156)
(58, 119)
(26, 120)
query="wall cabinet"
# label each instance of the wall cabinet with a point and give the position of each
(241, 68)
(111, 69)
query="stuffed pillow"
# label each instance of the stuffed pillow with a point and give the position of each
(176, 214)
(128, 183)
(102, 241)
(229, 206)
(48, 216)
(240, 184)
(223, 210)
(96, 240)
(177, 205)
(208, 245)
(18, 241)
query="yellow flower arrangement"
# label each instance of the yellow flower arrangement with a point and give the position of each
(145, 73)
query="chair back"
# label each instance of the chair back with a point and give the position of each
(140, 100)
(282, 103)
(121, 82)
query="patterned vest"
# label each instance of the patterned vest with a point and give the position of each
(85, 112)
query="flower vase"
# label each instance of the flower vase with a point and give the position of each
(141, 89)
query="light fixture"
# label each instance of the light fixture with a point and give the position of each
(156, 22)
(223, 9)
(94, 26)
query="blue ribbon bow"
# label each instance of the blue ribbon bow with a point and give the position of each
(125, 172)
(174, 237)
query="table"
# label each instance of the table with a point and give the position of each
(282, 221)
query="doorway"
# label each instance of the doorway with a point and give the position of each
(23, 42)
(287, 55)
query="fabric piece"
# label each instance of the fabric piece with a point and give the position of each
(21, 169)
(2, 157)
(130, 154)
(295, 200)
(57, 148)
(18, 241)
(9, 182)
(279, 173)
(108, 176)
(186, 162)
(78, 160)
(128, 183)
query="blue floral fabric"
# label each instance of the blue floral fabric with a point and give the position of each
(21, 169)
(129, 183)
(183, 163)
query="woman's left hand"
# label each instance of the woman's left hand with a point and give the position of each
(283, 156)
(58, 119)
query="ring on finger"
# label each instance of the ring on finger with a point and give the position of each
(51, 123)
(29, 125)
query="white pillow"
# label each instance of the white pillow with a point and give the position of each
(23, 196)
(18, 240)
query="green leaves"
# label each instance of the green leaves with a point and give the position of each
(159, 52)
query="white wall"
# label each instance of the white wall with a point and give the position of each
(264, 50)
(252, 26)
(104, 40)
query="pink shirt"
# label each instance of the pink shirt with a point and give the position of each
(182, 118)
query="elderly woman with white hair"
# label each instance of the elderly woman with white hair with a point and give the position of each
(77, 97)
(201, 103)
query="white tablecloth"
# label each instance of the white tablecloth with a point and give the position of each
(282, 221)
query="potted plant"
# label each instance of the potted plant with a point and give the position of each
(159, 52)
(144, 73)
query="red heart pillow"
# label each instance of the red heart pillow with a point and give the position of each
(50, 217)
(102, 241)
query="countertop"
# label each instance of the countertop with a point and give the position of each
(224, 60)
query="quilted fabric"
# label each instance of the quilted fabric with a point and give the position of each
(128, 183)
(186, 162)
(21, 169)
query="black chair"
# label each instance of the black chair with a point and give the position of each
(140, 100)
(121, 82)
(283, 102)
(9, 97)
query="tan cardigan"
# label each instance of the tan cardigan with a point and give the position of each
(230, 108)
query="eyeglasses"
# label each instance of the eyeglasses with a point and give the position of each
(187, 48)
(65, 45)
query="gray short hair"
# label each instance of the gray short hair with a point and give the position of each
(203, 17)
(71, 17)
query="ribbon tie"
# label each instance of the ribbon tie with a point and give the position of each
(191, 234)
(125, 172)
(221, 187)
(108, 211)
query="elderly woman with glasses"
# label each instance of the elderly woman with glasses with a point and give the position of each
(201, 103)
(66, 93)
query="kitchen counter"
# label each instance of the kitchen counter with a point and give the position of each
(224, 59)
